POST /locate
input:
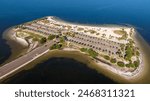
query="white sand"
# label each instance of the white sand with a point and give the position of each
(22, 41)
(12, 36)
(108, 30)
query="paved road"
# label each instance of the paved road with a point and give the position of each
(24, 60)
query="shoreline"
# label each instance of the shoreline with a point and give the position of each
(110, 69)
(17, 45)
(80, 57)
(89, 25)
(129, 75)
(17, 49)
(145, 51)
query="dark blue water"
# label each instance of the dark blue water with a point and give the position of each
(60, 71)
(132, 12)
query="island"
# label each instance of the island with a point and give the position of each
(111, 47)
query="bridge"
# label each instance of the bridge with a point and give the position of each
(20, 62)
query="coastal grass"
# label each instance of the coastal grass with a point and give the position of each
(123, 34)
(80, 29)
(120, 32)
(30, 35)
(33, 36)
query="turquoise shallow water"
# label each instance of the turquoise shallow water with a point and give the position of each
(127, 12)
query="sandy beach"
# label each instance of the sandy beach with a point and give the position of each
(110, 28)
(11, 35)
(77, 56)
(143, 71)
(17, 48)
(18, 45)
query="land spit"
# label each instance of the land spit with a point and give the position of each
(140, 74)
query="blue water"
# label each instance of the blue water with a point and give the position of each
(132, 12)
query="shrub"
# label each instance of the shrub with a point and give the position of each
(137, 53)
(120, 64)
(83, 49)
(128, 65)
(107, 57)
(35, 39)
(136, 63)
(128, 53)
(92, 53)
(43, 40)
(51, 37)
(56, 46)
(113, 60)
(62, 39)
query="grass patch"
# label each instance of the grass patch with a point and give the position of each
(26, 34)
(123, 33)
(92, 31)
(80, 29)
(120, 32)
